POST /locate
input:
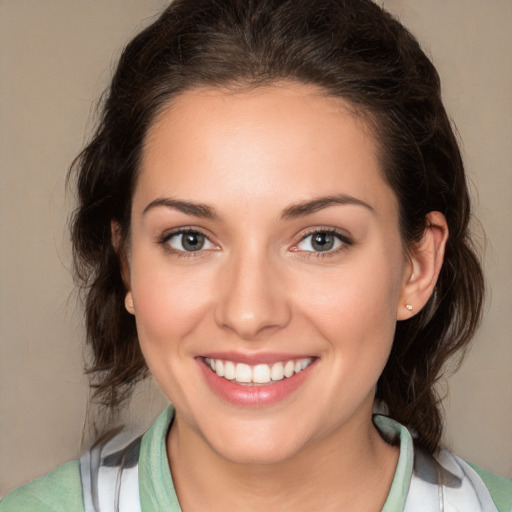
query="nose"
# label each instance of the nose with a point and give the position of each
(252, 298)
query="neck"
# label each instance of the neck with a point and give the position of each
(351, 469)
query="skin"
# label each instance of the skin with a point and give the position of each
(258, 286)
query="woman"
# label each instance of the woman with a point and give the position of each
(273, 220)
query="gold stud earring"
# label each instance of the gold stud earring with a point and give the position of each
(409, 307)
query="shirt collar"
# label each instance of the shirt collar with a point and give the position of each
(157, 489)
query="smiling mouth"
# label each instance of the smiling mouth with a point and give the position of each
(242, 373)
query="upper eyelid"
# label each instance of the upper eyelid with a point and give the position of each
(166, 236)
(345, 239)
(342, 235)
(165, 241)
(183, 230)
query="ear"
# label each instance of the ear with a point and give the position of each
(115, 231)
(128, 303)
(425, 262)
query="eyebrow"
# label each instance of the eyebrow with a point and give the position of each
(292, 212)
(190, 208)
(308, 207)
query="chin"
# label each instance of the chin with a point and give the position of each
(257, 444)
(267, 453)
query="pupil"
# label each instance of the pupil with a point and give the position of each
(193, 241)
(323, 242)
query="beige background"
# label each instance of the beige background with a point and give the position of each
(56, 57)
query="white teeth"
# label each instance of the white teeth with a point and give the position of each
(277, 372)
(219, 367)
(289, 368)
(243, 373)
(260, 373)
(229, 370)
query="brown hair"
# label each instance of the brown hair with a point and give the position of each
(350, 48)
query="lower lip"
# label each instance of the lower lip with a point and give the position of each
(256, 395)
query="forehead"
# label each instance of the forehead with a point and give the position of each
(286, 142)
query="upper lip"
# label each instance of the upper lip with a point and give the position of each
(255, 358)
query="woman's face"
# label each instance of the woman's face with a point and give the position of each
(265, 243)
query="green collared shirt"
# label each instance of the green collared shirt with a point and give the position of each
(61, 490)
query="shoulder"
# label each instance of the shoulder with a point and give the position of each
(60, 490)
(469, 483)
(426, 477)
(500, 488)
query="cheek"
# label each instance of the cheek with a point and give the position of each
(168, 304)
(354, 307)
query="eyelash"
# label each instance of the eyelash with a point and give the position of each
(344, 239)
(346, 242)
(166, 237)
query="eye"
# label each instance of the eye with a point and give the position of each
(322, 241)
(189, 241)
